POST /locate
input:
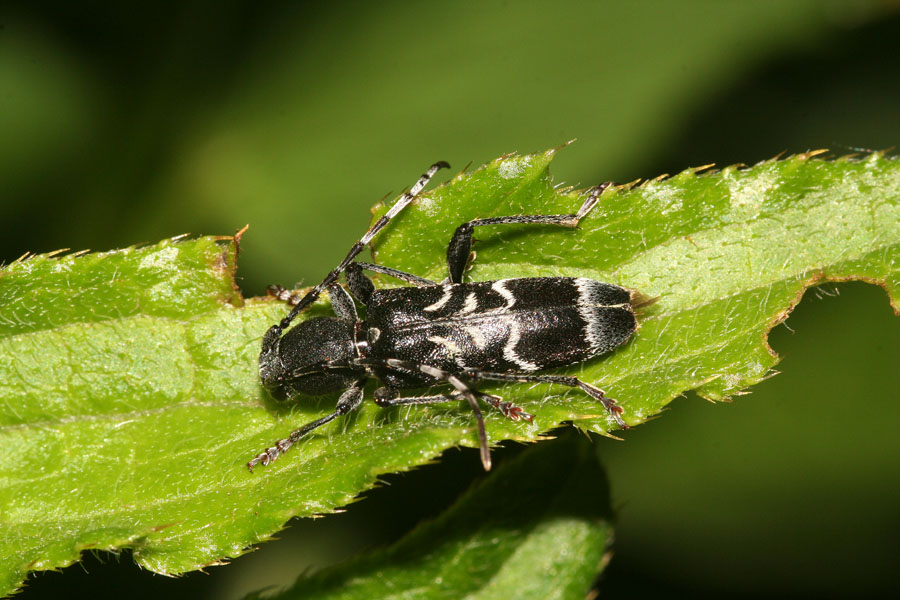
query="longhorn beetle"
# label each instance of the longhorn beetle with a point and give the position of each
(451, 332)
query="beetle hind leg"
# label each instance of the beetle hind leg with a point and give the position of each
(614, 410)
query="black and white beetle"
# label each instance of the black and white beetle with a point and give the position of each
(443, 333)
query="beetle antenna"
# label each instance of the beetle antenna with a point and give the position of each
(358, 247)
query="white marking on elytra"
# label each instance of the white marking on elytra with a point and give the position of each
(477, 336)
(447, 343)
(471, 304)
(587, 304)
(448, 293)
(499, 286)
(509, 348)
(452, 348)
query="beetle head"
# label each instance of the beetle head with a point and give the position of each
(293, 362)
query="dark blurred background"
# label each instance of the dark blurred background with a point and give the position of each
(130, 122)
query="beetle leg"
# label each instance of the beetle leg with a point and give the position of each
(508, 409)
(348, 402)
(459, 249)
(614, 410)
(387, 396)
(439, 374)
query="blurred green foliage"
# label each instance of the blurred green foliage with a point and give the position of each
(139, 121)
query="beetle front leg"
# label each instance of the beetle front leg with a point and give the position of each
(348, 402)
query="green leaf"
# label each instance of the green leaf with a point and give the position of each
(130, 400)
(539, 525)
